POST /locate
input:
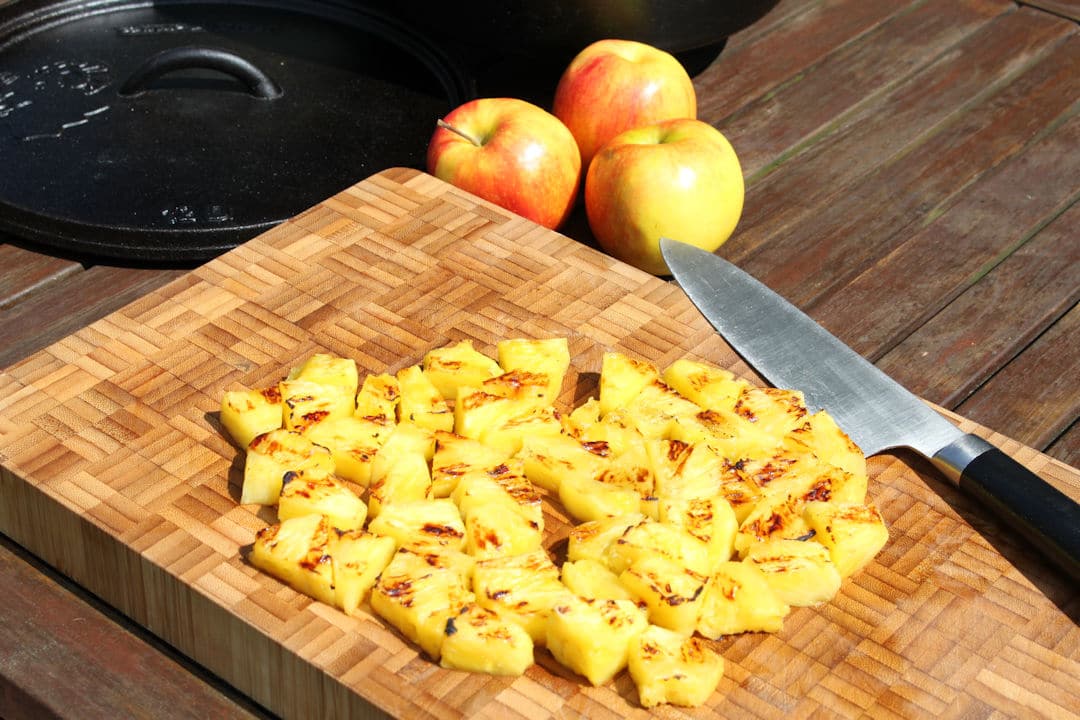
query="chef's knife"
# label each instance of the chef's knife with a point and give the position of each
(792, 351)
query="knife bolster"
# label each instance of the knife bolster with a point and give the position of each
(954, 458)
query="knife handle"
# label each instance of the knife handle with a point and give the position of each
(1048, 518)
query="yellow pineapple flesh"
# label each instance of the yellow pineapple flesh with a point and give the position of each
(305, 403)
(709, 519)
(275, 453)
(357, 558)
(547, 356)
(326, 369)
(707, 386)
(671, 593)
(670, 668)
(296, 551)
(593, 579)
(853, 534)
(304, 493)
(479, 639)
(593, 637)
(451, 366)
(456, 457)
(523, 588)
(421, 522)
(420, 402)
(800, 572)
(621, 379)
(378, 397)
(738, 599)
(246, 414)
(353, 441)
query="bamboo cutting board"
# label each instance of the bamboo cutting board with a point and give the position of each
(116, 472)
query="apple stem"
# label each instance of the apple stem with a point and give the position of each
(471, 138)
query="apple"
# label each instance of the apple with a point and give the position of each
(679, 179)
(617, 85)
(512, 153)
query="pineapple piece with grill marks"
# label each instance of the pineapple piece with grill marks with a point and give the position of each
(590, 578)
(621, 379)
(420, 402)
(522, 588)
(593, 637)
(592, 540)
(306, 493)
(456, 457)
(296, 551)
(729, 436)
(853, 534)
(246, 414)
(738, 599)
(821, 436)
(530, 388)
(707, 386)
(586, 499)
(421, 522)
(577, 422)
(273, 454)
(378, 397)
(656, 408)
(773, 412)
(685, 471)
(671, 592)
(502, 422)
(800, 572)
(400, 472)
(357, 558)
(451, 366)
(326, 369)
(305, 403)
(480, 639)
(709, 519)
(549, 357)
(547, 459)
(420, 589)
(353, 441)
(651, 538)
(668, 667)
(502, 513)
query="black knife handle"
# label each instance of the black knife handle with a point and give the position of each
(1048, 518)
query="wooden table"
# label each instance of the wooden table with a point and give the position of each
(912, 180)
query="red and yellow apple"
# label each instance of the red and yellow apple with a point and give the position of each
(679, 179)
(617, 85)
(512, 153)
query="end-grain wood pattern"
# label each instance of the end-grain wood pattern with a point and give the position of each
(116, 471)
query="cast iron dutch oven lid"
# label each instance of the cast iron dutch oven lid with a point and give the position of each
(172, 131)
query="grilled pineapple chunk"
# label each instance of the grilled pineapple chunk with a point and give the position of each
(296, 552)
(421, 522)
(592, 540)
(586, 499)
(522, 588)
(853, 534)
(357, 558)
(305, 403)
(668, 667)
(452, 366)
(399, 472)
(821, 436)
(305, 493)
(500, 421)
(737, 599)
(549, 357)
(593, 637)
(772, 411)
(420, 589)
(685, 471)
(326, 369)
(621, 379)
(273, 454)
(547, 459)
(709, 519)
(656, 408)
(525, 386)
(496, 523)
(246, 414)
(353, 441)
(480, 639)
(707, 386)
(420, 402)
(671, 592)
(651, 538)
(456, 457)
(377, 398)
(800, 572)
(593, 579)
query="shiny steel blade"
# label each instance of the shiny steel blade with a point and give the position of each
(793, 351)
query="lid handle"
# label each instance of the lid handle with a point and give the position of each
(257, 82)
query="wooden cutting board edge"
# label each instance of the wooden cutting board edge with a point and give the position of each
(378, 210)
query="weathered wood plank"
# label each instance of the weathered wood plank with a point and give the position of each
(1036, 392)
(1066, 447)
(1065, 8)
(766, 131)
(23, 271)
(61, 649)
(830, 169)
(749, 71)
(989, 222)
(43, 318)
(958, 349)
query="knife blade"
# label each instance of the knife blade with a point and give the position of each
(793, 351)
